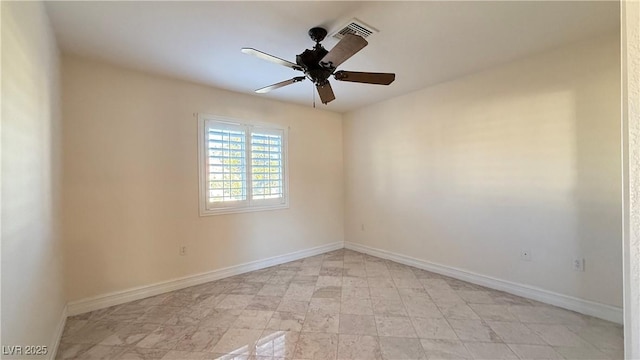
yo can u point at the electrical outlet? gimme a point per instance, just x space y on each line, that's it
525 255
578 264
183 250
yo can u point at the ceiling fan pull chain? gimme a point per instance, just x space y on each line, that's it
313 92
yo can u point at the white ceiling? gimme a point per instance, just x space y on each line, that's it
424 43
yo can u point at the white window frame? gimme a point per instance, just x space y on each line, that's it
248 205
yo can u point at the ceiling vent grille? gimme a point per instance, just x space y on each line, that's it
354 26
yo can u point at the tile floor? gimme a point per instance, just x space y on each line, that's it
339 305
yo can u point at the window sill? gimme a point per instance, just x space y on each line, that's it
239 210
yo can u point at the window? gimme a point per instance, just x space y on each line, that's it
242 166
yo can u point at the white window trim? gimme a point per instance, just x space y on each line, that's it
248 205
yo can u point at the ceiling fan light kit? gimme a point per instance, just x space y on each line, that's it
318 65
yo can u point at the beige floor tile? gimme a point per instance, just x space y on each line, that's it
457 311
444 296
532 352
321 322
377 272
557 335
220 318
355 293
273 290
473 330
395 326
293 306
357 325
103 352
67 351
98 314
128 312
327 292
356 307
324 306
285 321
277 344
129 335
136 353
430 328
444 349
413 292
317 346
546 315
490 351
73 325
493 312
403 273
94 332
389 307
384 293
201 340
398 348
158 314
329 281
603 337
358 347
355 281
586 352
247 289
357 273
264 303
475 297
189 316
435 284
180 298
418 306
166 337
236 302
515 333
381 282
238 341
613 353
326 271
309 271
407 283
304 280
252 319
298 292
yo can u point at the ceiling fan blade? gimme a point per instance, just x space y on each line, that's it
266 89
348 46
273 59
326 93
365 77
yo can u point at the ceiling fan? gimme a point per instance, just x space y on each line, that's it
318 65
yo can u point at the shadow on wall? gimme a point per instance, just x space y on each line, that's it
524 157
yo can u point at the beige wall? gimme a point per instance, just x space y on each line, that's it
131 180
525 156
32 282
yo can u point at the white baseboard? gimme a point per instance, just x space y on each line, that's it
53 348
602 311
141 292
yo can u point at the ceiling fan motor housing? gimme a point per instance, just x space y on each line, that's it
309 60
317 34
